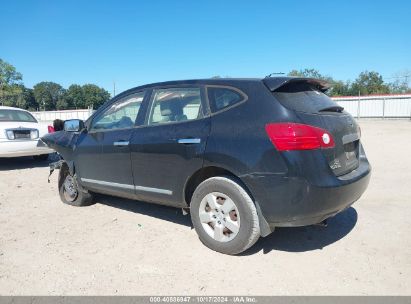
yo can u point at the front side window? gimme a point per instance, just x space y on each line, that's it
175 105
221 98
120 115
16 115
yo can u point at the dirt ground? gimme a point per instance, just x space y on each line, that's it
125 247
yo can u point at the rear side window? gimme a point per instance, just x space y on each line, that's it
221 98
175 105
305 97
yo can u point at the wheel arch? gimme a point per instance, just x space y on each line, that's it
210 171
64 170
67 167
201 175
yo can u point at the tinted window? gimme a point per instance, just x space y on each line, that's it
304 97
120 115
16 115
221 98
175 105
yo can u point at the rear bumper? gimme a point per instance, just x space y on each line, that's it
321 203
17 148
293 201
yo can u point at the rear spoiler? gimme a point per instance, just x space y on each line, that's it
274 83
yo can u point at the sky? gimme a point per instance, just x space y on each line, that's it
138 42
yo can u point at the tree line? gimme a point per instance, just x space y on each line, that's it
46 95
49 96
367 83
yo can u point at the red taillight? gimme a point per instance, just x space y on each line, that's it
293 136
50 129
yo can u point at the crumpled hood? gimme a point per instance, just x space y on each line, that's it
61 141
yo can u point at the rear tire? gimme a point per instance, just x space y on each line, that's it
70 192
229 232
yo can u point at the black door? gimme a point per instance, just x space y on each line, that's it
104 153
169 148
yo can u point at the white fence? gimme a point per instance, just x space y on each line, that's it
63 115
385 106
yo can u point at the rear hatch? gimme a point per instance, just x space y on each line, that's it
306 98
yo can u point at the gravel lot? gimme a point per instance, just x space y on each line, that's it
132 248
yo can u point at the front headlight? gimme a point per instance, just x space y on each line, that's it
34 134
10 134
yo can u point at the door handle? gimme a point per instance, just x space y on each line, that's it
189 141
121 143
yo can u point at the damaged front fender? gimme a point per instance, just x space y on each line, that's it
53 166
65 144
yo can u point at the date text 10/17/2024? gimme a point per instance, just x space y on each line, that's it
203 299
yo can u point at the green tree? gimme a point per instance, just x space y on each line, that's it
49 95
81 97
94 96
369 83
310 73
338 87
365 84
399 86
74 97
29 100
20 100
10 84
401 82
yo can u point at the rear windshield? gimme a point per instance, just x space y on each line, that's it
16 115
305 97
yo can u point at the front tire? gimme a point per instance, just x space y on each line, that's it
70 192
224 215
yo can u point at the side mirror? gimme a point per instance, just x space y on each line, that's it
73 125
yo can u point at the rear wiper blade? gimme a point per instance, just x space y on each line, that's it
332 109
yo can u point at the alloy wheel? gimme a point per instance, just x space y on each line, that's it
219 217
70 189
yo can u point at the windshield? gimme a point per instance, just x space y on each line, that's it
16 115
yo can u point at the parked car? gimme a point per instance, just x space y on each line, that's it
20 134
244 155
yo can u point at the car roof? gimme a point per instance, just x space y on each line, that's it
204 81
271 82
12 108
208 81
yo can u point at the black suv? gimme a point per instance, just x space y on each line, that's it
244 155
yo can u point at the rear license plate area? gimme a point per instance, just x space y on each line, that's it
22 134
351 151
